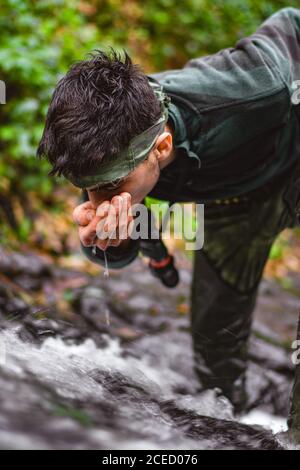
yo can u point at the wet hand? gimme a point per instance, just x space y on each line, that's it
110 224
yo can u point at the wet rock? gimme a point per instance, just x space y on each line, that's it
13 264
118 373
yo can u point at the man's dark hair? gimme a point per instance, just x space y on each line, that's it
96 109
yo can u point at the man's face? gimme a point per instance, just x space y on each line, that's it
138 183
142 180
133 189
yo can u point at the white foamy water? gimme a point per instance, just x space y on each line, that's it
70 373
261 418
66 367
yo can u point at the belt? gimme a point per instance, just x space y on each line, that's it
258 193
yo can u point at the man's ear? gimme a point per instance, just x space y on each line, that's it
164 146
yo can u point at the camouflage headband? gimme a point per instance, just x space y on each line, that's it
137 151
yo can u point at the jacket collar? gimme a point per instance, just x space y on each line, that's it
180 137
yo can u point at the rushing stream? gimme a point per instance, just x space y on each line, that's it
86 382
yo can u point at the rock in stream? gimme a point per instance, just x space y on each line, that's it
116 371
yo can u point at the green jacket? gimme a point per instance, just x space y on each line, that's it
235 124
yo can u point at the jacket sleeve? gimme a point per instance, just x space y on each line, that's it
258 69
279 38
116 256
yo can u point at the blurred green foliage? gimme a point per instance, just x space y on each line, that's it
38 42
40 39
166 33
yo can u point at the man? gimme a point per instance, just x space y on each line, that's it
223 131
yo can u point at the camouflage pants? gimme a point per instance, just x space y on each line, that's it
238 237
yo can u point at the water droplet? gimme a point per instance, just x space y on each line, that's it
107 316
106 271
